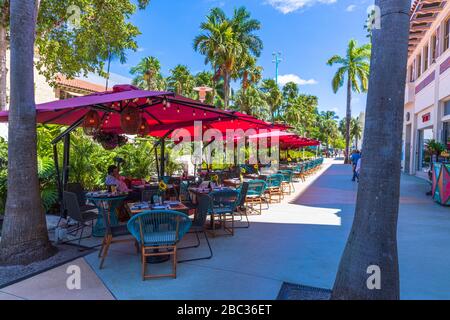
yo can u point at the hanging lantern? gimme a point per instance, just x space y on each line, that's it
144 128
130 120
91 123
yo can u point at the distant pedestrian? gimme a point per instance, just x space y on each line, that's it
354 159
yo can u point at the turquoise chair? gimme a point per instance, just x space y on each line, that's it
256 194
274 186
159 230
288 176
224 204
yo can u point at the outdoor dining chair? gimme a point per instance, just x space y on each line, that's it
256 194
199 226
113 234
82 218
77 188
224 206
274 186
241 208
287 182
158 232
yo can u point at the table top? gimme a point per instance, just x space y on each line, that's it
207 191
106 196
139 207
153 184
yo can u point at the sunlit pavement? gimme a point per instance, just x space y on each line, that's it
298 241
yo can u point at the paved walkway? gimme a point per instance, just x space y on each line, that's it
299 241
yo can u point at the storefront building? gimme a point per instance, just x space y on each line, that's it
427 96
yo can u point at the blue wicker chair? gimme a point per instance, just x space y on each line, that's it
241 208
159 230
198 226
288 176
274 186
255 194
224 205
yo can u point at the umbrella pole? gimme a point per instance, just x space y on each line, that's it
66 159
163 156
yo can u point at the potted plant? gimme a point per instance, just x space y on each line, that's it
434 149
110 141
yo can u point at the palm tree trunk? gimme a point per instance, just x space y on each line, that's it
373 238
348 119
226 89
3 50
24 234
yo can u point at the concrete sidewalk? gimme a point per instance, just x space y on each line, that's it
298 241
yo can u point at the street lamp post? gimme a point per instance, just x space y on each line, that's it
276 59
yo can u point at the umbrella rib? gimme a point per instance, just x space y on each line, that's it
153 117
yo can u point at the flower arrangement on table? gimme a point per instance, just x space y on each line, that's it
162 186
215 179
110 141
289 160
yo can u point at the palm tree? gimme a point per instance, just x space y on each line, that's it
24 234
210 40
181 81
356 130
355 67
148 75
328 126
301 113
372 244
253 102
225 42
249 72
290 91
274 97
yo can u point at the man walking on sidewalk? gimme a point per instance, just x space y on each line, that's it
354 159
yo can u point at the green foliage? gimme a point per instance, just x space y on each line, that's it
355 66
228 44
47 181
274 97
70 44
181 81
147 75
435 147
253 102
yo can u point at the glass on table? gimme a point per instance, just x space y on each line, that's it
114 189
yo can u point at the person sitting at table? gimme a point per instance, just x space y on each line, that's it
115 179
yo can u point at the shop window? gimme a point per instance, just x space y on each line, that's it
447 108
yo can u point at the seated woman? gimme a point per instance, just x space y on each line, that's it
114 179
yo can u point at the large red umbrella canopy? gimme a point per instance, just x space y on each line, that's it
164 112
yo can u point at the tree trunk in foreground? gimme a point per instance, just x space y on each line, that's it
373 238
24 235
3 49
348 119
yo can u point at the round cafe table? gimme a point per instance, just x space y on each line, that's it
106 204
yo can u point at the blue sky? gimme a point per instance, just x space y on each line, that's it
306 32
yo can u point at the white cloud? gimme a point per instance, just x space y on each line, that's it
288 6
351 8
296 79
